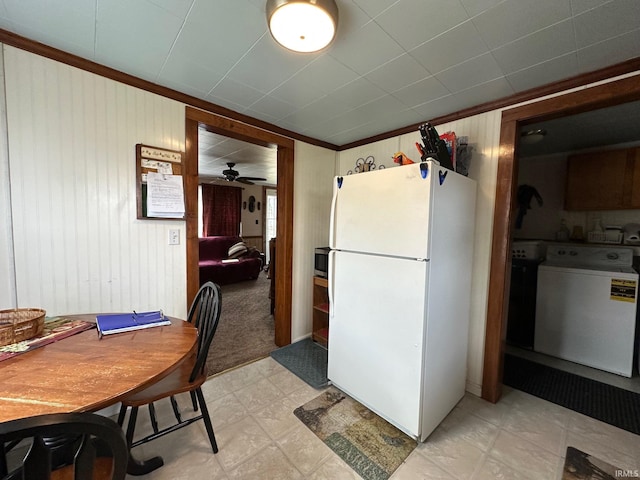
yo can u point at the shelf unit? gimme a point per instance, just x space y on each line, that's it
320 326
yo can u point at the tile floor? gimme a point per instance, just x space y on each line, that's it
521 437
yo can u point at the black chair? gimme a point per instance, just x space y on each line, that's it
188 377
82 446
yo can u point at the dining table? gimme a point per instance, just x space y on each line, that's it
88 372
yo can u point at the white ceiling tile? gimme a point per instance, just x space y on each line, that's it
189 73
615 50
193 46
179 8
366 49
356 93
267 65
475 7
374 8
538 47
317 112
398 73
423 91
439 106
201 44
472 72
485 92
513 19
237 92
325 73
607 21
220 33
412 22
74 24
297 93
451 48
350 18
547 72
273 107
118 40
580 6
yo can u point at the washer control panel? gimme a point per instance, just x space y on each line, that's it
583 256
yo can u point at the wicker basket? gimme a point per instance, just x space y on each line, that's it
20 324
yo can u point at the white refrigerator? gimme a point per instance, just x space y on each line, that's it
399 290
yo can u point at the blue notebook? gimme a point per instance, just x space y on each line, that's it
126 322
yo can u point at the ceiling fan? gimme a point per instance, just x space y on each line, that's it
232 175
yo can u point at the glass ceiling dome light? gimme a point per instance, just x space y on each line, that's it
302 25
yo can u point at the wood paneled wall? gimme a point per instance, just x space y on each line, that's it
78 245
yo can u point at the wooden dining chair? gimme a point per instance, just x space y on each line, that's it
80 446
188 377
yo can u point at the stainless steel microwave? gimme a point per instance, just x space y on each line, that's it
321 262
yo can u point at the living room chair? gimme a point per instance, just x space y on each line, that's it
80 446
188 377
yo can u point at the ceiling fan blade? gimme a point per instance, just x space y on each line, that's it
244 180
255 179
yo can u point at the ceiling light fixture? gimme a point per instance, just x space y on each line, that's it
532 136
302 25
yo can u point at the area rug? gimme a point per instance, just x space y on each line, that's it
246 329
306 359
582 466
603 402
371 446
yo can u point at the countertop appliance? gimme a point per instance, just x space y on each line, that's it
399 291
586 306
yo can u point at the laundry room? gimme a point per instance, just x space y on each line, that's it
573 302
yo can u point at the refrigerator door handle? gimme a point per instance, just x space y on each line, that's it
334 201
330 275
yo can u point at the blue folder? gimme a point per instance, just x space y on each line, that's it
126 322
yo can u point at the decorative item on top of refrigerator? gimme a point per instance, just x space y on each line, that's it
399 281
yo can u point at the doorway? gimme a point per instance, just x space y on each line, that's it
196 119
605 95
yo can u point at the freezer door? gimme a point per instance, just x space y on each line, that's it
384 211
376 332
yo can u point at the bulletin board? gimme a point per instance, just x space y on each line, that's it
156 160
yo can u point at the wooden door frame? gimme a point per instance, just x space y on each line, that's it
284 230
592 98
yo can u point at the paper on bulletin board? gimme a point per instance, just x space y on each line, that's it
165 195
161 167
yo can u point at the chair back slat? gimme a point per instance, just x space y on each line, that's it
84 432
204 314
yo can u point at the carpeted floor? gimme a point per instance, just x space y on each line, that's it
603 402
246 330
368 444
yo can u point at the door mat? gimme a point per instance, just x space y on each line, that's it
582 466
371 446
306 359
609 404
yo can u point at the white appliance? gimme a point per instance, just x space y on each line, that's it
586 306
399 286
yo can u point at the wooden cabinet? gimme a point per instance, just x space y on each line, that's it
320 327
608 180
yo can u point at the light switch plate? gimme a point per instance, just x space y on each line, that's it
174 236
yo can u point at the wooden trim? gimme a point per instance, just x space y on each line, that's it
228 127
41 49
32 46
612 71
605 95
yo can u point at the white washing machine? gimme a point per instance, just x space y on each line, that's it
586 306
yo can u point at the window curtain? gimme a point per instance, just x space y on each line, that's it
220 210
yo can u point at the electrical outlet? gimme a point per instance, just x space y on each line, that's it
174 236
